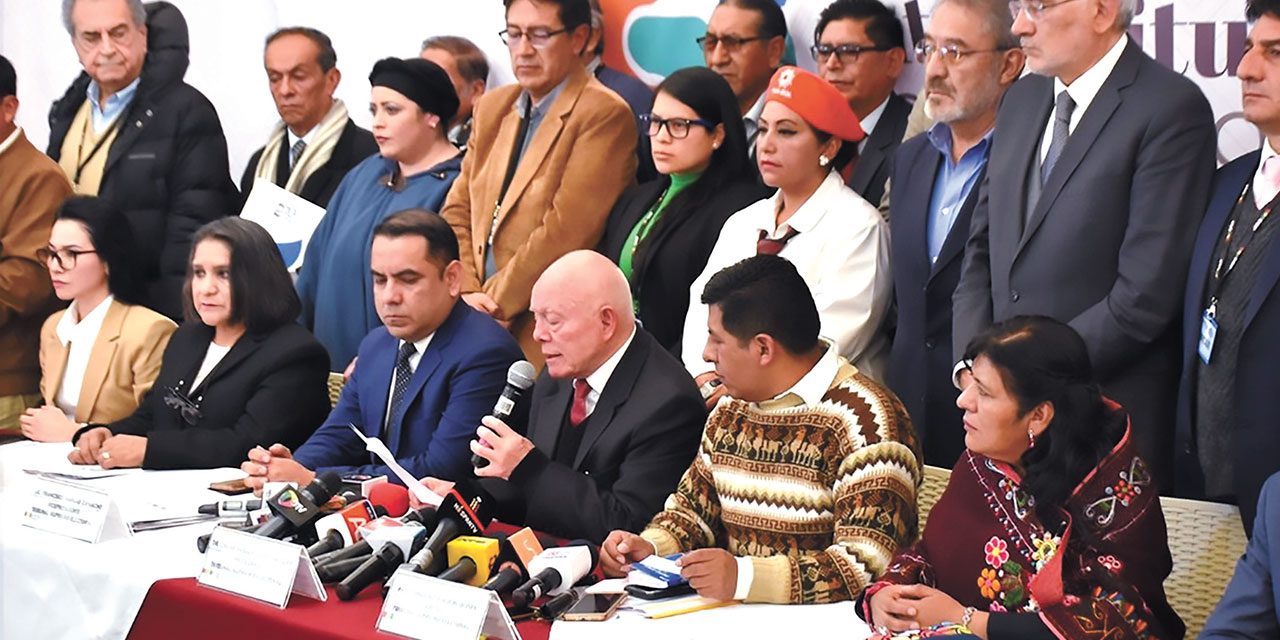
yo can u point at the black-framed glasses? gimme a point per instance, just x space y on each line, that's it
709 41
848 53
677 127
538 38
1034 8
949 53
185 406
66 258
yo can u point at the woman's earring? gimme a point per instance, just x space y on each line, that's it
1031 435
823 161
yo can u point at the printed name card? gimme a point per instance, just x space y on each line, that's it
426 608
72 510
258 568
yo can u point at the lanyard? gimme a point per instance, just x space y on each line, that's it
1223 267
81 164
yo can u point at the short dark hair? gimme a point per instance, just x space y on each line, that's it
467 56
573 13
766 294
262 294
8 78
847 149
883 27
442 243
328 58
773 24
1255 9
113 241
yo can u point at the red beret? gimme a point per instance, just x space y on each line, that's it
819 103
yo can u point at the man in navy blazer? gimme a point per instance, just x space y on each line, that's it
1227 402
1248 609
938 174
637 94
421 382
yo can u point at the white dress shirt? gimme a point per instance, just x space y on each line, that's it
212 357
78 337
597 379
869 123
1083 91
1259 182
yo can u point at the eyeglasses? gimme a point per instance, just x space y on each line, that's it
538 38
178 401
677 127
66 258
1033 8
848 52
950 54
731 43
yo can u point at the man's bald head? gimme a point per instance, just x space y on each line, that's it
582 313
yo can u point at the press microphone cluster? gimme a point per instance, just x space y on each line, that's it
465 511
555 570
519 378
292 509
512 563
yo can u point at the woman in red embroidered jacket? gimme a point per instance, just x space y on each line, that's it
1050 526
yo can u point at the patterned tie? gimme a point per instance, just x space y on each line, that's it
295 151
1061 131
402 375
1267 185
766 246
578 410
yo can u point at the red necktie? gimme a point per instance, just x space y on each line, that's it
847 173
766 246
578 411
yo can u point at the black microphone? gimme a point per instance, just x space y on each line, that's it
457 516
337 570
295 508
202 542
555 570
519 378
342 528
461 572
399 543
511 565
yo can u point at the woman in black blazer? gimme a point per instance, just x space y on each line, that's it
240 372
660 233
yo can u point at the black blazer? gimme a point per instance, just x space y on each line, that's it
876 160
675 253
354 145
638 442
269 388
920 363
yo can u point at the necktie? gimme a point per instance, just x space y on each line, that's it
402 375
295 151
1268 184
578 410
766 246
1061 130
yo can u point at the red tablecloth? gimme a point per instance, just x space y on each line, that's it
180 608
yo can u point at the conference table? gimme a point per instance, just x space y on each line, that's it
142 586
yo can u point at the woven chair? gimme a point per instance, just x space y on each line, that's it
935 480
1206 539
335 388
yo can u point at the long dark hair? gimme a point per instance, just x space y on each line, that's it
1043 360
113 241
262 293
709 95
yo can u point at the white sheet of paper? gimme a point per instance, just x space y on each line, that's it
377 448
289 219
51 458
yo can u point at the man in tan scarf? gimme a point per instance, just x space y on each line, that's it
315 143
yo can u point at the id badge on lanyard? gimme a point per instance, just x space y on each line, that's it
1208 333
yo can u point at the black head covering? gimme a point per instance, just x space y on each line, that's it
421 81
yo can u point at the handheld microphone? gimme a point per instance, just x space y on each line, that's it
555 570
519 378
337 570
470 559
394 545
294 508
457 516
518 550
230 508
342 528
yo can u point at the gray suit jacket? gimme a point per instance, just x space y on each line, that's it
1107 245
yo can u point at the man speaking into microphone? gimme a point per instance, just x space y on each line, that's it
614 418
421 382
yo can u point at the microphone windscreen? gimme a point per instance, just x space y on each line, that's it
521 374
481 550
392 497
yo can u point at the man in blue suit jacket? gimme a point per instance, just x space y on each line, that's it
422 381
1227 402
1248 608
637 94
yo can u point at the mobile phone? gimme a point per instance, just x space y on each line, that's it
595 607
230 487
653 593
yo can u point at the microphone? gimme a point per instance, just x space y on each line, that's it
202 542
394 545
336 570
230 508
518 550
294 508
425 516
393 497
470 559
519 378
555 570
342 528
457 516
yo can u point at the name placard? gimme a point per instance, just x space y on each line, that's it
426 608
262 569
68 509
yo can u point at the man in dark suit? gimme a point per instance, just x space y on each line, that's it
316 143
468 69
970 59
1227 402
745 43
421 382
1248 609
637 94
860 49
614 419
1098 175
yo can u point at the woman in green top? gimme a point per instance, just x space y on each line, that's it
661 232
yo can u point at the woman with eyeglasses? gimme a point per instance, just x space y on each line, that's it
661 232
240 372
100 355
836 239
412 101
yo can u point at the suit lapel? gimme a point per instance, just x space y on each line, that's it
953 245
1025 159
58 364
1265 282
427 365
100 358
377 385
242 349
914 211
615 393
544 428
649 194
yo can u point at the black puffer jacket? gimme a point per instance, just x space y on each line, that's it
167 169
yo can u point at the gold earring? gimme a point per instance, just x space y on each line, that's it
823 161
